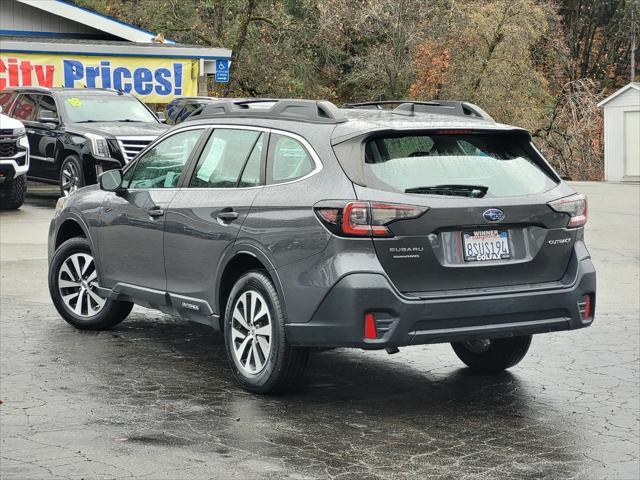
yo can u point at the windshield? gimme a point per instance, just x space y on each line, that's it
105 108
503 164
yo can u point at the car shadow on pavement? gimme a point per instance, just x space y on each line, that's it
163 379
183 352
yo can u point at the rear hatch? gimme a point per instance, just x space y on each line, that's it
488 222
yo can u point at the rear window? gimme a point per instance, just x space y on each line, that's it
504 163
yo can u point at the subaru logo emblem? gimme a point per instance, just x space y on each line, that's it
493 215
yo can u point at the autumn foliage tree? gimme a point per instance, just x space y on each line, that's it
539 64
432 63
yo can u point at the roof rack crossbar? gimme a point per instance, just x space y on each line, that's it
411 107
313 111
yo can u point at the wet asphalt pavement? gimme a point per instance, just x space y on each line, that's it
154 398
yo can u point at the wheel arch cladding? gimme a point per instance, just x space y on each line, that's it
240 264
70 228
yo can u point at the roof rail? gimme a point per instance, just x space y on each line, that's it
34 89
442 107
312 111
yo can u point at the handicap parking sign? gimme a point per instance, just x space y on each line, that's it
222 71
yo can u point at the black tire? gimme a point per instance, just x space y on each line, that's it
112 313
500 354
285 364
71 164
14 192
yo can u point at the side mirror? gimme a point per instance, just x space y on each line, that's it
111 181
47 116
162 117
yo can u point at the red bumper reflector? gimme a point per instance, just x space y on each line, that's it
370 326
587 308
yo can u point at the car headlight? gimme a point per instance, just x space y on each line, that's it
99 145
23 142
19 131
59 205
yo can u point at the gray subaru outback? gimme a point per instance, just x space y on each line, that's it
292 224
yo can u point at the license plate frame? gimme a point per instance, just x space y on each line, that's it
486 245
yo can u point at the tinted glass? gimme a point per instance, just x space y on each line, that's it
47 103
225 156
6 99
26 107
251 174
105 108
161 166
289 159
503 162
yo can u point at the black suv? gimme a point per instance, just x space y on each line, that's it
294 224
75 134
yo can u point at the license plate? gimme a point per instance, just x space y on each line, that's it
485 245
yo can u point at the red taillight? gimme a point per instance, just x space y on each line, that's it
575 206
364 219
355 219
370 327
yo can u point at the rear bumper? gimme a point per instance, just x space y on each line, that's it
401 321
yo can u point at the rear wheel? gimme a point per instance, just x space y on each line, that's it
14 192
71 176
73 282
492 355
261 359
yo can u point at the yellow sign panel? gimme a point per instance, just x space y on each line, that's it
153 80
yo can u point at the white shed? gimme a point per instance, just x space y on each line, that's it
622 134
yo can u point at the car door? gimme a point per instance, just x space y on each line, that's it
42 135
206 215
132 222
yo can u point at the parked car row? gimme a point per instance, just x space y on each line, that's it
76 134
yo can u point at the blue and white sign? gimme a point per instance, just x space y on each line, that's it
222 71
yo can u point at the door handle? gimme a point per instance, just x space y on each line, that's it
155 212
227 214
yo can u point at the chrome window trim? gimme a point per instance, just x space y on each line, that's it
307 146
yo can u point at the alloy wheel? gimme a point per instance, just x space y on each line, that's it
251 332
70 178
77 284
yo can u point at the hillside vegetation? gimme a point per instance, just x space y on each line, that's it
539 64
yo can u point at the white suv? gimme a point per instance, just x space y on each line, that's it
14 162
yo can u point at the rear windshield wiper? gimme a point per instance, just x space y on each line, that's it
128 120
475 191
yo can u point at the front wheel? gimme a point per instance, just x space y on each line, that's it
492 355
261 359
73 282
13 196
71 176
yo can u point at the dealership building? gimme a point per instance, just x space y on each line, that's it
54 43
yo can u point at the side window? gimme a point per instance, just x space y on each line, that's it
288 159
161 166
6 99
26 107
225 156
47 103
